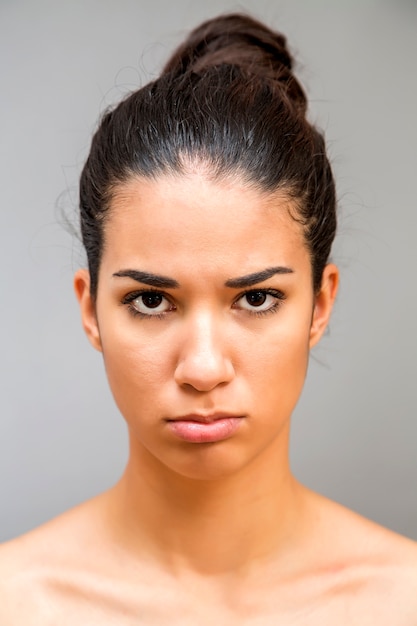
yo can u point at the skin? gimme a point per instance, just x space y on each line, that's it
197 532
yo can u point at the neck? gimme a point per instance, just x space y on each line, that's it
209 526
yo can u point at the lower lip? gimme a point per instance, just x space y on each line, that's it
199 432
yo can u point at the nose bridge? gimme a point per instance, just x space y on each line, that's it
203 360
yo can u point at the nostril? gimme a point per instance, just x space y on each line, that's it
204 373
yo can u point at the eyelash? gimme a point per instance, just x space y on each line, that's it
131 297
275 293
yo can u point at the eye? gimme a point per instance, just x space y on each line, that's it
148 303
259 301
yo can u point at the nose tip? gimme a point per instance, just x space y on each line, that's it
203 363
204 374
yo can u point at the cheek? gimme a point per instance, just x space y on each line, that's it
279 365
136 370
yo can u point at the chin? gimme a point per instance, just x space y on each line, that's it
209 462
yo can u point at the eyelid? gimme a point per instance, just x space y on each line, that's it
259 311
129 298
128 301
132 295
277 293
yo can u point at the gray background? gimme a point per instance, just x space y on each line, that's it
62 62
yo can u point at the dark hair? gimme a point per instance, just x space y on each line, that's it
226 98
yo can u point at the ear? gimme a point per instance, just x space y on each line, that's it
87 307
323 304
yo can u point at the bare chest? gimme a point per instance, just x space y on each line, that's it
153 604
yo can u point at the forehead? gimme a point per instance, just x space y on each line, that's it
192 220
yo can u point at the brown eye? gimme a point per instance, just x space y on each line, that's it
151 303
258 301
256 298
152 300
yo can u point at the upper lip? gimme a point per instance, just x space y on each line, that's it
203 418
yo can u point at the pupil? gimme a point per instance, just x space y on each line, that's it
256 298
152 300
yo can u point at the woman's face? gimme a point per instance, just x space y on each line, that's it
205 315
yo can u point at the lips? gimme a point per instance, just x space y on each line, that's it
200 428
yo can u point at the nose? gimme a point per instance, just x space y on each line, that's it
203 360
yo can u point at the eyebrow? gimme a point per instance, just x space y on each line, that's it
256 277
157 280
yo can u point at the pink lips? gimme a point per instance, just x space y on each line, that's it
205 428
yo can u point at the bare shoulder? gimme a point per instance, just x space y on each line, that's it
390 572
397 557
18 579
376 567
32 566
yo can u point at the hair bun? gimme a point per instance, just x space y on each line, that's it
242 41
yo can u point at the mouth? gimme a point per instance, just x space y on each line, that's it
200 428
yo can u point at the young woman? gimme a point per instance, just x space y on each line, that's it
208 213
